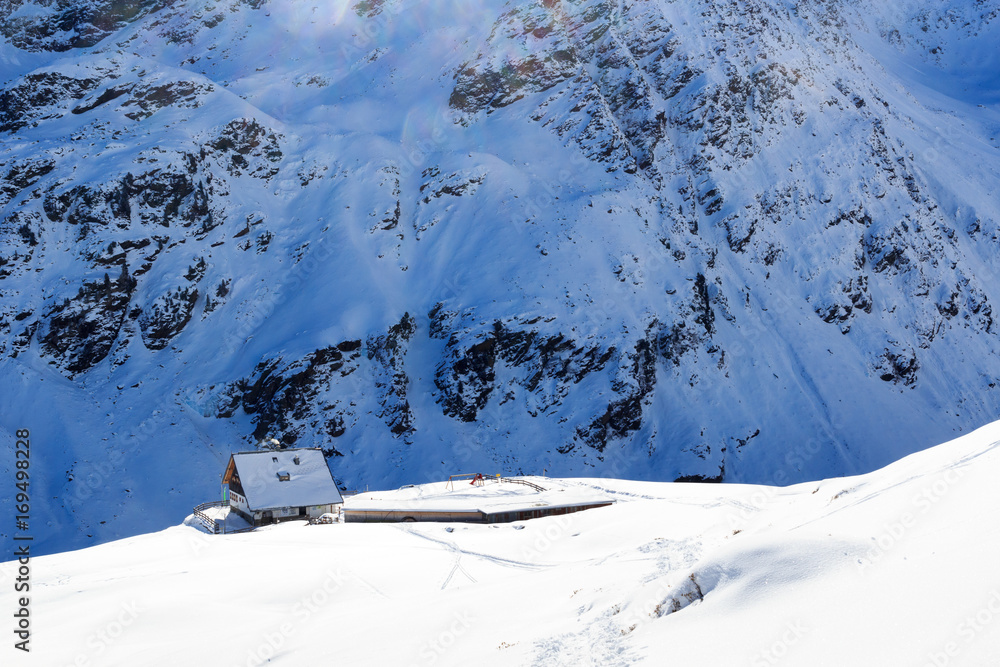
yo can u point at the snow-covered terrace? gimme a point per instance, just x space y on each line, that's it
225 520
490 498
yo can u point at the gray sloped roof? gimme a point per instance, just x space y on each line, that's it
309 480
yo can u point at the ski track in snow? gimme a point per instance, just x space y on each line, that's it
451 546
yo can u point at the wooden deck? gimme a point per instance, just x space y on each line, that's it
218 520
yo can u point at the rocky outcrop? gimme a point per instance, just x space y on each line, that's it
466 378
290 400
388 354
167 316
41 96
634 383
246 146
542 366
78 333
61 25
898 366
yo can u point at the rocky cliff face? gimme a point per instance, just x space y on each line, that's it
699 239
61 25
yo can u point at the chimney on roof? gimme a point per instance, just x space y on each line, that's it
296 459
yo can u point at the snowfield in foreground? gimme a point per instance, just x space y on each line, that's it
897 567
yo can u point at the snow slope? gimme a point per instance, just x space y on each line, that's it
896 567
648 239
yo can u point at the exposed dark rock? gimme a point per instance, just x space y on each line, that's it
496 80
391 381
440 321
700 479
158 197
39 96
853 297
624 416
548 357
898 367
387 210
79 333
23 175
369 8
704 315
109 94
284 398
167 316
145 100
454 184
65 25
249 148
216 298
465 379
21 231
739 231
437 186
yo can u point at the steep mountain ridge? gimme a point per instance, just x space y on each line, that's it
658 240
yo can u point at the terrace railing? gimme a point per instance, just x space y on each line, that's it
518 480
207 521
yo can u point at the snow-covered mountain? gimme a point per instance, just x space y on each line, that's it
658 240
897 567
